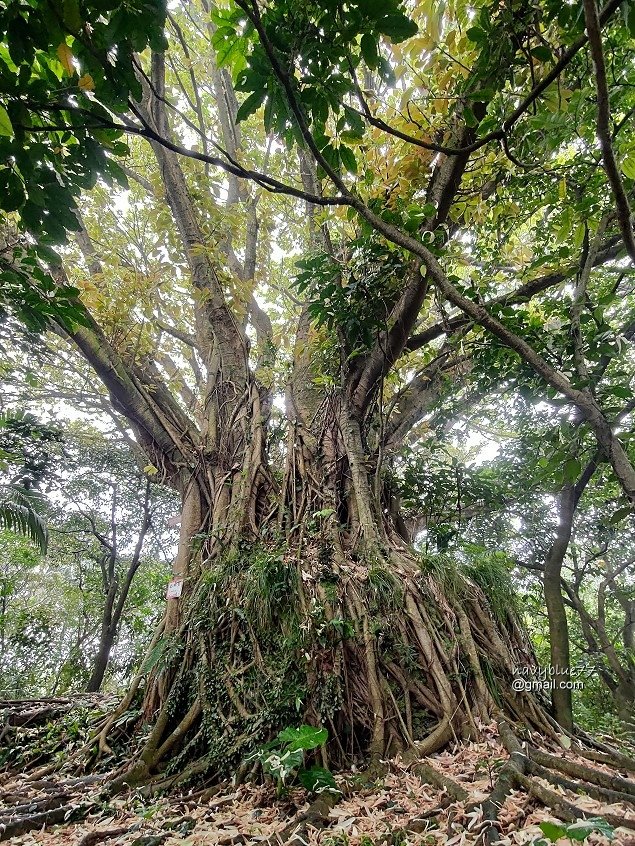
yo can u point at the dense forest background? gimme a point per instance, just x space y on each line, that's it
321 313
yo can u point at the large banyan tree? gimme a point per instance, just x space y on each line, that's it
338 213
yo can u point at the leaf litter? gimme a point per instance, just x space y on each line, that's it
397 809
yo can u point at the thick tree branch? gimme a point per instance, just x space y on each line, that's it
593 26
216 320
419 396
610 250
274 186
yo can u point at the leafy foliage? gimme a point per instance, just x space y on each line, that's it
576 832
330 43
354 295
27 448
283 758
52 608
66 69
18 513
28 292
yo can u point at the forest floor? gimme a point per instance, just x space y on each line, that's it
397 809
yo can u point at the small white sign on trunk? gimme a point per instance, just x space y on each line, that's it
175 588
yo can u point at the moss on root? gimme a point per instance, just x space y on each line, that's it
382 652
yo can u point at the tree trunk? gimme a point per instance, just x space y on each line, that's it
556 612
101 661
106 638
301 600
116 595
313 609
624 697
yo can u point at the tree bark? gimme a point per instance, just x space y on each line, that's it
322 615
556 611
100 663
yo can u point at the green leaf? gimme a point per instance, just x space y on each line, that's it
332 156
6 127
581 829
386 71
304 737
355 121
628 165
397 27
153 657
542 53
72 16
469 117
578 235
228 49
368 47
620 391
324 512
18 513
11 190
317 780
251 105
347 157
483 95
572 469
566 225
620 514
476 35
553 831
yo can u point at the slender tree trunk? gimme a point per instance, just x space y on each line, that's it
101 661
624 696
106 638
556 611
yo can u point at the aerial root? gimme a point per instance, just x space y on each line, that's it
526 768
104 728
609 756
429 775
602 794
562 808
436 740
514 775
536 773
166 784
58 804
316 816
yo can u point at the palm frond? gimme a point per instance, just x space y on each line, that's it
18 514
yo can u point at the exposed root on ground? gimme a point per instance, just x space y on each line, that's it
485 792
